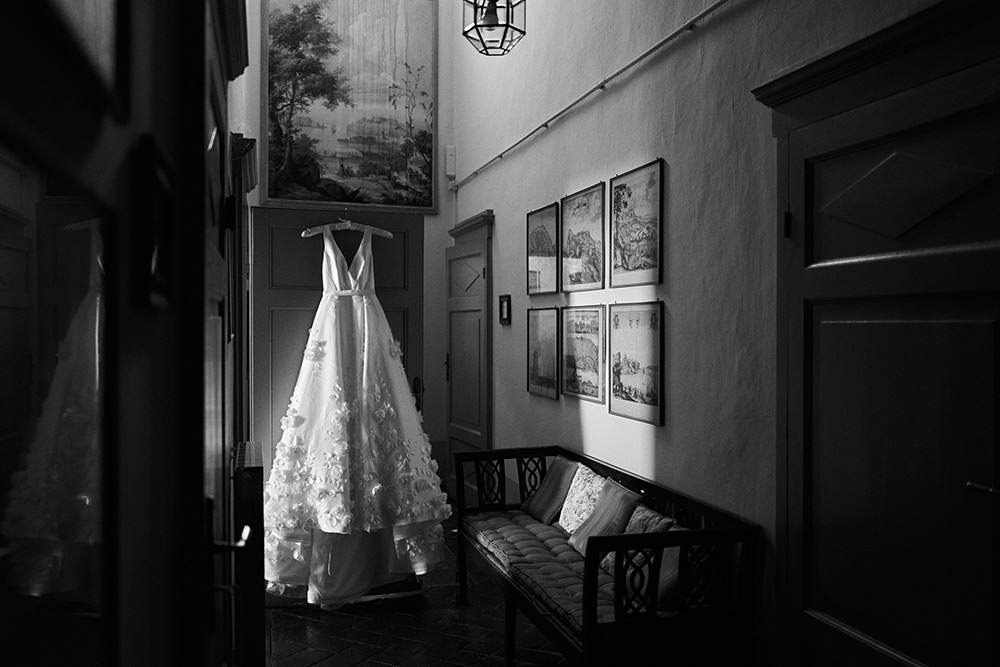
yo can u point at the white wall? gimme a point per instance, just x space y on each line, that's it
691 105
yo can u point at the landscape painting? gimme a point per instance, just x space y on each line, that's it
582 240
543 238
582 356
543 324
636 222
350 93
635 343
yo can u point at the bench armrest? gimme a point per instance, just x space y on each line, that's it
714 567
490 479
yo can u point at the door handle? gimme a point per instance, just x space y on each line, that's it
447 366
982 488
232 546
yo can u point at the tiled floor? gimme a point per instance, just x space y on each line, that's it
428 629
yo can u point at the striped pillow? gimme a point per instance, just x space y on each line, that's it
614 507
545 502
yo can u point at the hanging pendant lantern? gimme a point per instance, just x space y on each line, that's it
493 27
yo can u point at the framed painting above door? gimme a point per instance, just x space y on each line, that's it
352 121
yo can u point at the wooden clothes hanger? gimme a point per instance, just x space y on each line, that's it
345 224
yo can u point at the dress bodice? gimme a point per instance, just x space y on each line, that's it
338 275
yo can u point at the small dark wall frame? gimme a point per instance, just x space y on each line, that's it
637 226
635 352
542 262
504 309
543 352
581 240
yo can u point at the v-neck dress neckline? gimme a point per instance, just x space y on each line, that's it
344 276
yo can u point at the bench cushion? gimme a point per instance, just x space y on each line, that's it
514 536
557 588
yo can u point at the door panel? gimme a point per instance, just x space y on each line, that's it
469 355
902 415
466 359
889 350
898 337
924 190
286 283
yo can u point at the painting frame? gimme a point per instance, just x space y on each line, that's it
638 346
542 355
542 274
583 327
580 268
382 154
636 214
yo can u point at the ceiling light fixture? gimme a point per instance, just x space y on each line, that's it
493 27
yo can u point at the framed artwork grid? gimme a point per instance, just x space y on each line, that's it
637 226
635 353
543 352
581 256
582 356
542 264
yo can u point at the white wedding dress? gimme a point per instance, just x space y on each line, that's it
354 500
52 520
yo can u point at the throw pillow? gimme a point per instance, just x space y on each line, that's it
614 507
545 502
581 498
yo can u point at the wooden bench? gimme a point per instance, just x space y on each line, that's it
601 612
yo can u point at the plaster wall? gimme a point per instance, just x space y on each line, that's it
691 105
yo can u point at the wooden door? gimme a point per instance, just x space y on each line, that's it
286 282
890 303
469 357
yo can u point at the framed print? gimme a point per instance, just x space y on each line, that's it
582 240
349 92
635 347
582 358
543 341
543 248
504 309
636 226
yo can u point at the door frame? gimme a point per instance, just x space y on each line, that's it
936 48
473 236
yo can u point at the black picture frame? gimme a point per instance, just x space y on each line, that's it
636 226
583 350
503 309
542 250
635 361
581 240
543 352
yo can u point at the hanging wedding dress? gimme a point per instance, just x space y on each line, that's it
353 500
52 520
